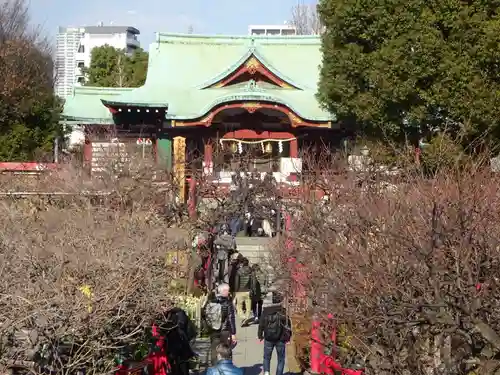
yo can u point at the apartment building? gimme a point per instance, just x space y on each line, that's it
284 29
74 46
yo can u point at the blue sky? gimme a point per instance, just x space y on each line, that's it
149 16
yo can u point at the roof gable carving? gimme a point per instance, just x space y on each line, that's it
251 67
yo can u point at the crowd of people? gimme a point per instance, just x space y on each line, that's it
242 298
236 292
220 315
238 297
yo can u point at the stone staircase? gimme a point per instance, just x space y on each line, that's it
258 250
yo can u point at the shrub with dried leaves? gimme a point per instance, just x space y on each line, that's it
81 279
408 265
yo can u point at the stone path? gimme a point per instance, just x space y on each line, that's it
248 354
249 351
202 347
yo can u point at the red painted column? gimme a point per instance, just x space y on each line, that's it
317 349
294 153
192 198
294 148
418 152
208 160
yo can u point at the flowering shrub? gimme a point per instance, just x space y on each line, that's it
191 305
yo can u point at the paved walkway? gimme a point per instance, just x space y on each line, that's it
248 354
249 351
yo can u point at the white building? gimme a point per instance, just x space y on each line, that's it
74 47
284 29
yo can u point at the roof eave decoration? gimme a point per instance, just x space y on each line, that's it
252 63
115 106
251 106
253 94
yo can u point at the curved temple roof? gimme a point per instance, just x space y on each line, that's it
181 67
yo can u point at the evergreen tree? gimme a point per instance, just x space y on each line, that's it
399 68
111 67
29 109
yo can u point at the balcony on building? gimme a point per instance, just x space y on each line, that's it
132 40
80 66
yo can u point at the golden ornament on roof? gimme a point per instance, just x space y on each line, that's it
269 148
234 147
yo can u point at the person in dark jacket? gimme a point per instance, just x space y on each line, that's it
227 332
178 331
258 291
242 289
275 328
236 260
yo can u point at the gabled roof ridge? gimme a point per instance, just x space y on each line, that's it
252 52
166 37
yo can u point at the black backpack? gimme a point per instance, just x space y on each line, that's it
274 327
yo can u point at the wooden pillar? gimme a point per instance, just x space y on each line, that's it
294 148
180 166
294 153
208 165
192 198
418 152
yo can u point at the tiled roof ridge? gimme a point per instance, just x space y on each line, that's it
162 37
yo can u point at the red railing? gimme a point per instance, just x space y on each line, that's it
29 167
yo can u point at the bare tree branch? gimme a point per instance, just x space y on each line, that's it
306 19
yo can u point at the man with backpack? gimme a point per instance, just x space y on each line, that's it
220 319
242 289
275 329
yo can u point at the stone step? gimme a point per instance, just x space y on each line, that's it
257 250
257 241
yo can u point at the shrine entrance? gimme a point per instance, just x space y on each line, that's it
256 140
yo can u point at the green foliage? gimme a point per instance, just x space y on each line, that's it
398 69
29 109
111 67
442 152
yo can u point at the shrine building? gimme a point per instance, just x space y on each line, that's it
253 95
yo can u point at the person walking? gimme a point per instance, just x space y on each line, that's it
178 331
224 248
224 365
242 289
236 260
258 290
220 319
275 329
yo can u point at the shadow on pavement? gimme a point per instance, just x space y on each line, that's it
252 370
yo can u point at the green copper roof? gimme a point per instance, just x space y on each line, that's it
301 102
85 106
180 66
